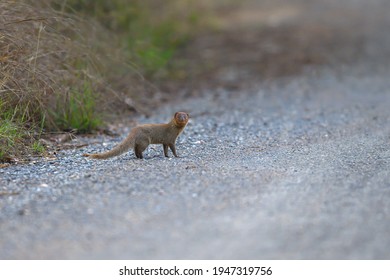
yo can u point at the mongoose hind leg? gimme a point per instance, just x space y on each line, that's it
138 150
165 150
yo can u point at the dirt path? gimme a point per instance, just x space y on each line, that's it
287 154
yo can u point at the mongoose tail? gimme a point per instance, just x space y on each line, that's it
119 149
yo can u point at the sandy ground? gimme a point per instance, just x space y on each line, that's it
287 155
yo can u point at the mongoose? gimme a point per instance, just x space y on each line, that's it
141 136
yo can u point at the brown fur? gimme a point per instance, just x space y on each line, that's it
141 136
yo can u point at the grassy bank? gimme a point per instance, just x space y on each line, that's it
150 30
64 65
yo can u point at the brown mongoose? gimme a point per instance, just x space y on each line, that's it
141 136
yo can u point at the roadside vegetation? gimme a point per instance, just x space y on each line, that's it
66 65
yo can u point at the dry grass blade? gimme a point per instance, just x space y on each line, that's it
51 61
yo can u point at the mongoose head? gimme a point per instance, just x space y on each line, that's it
181 119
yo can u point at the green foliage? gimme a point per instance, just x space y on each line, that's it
17 134
12 131
151 30
154 46
37 147
78 111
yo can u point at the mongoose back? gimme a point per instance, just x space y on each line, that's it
141 136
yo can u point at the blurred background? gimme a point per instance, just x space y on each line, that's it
73 65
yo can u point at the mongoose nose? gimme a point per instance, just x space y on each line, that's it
181 117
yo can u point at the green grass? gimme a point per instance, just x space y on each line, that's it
78 111
155 46
12 134
151 30
37 148
152 41
17 141
18 136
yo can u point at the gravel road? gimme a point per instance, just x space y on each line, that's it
295 167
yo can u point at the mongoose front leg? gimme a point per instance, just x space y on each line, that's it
173 149
165 150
